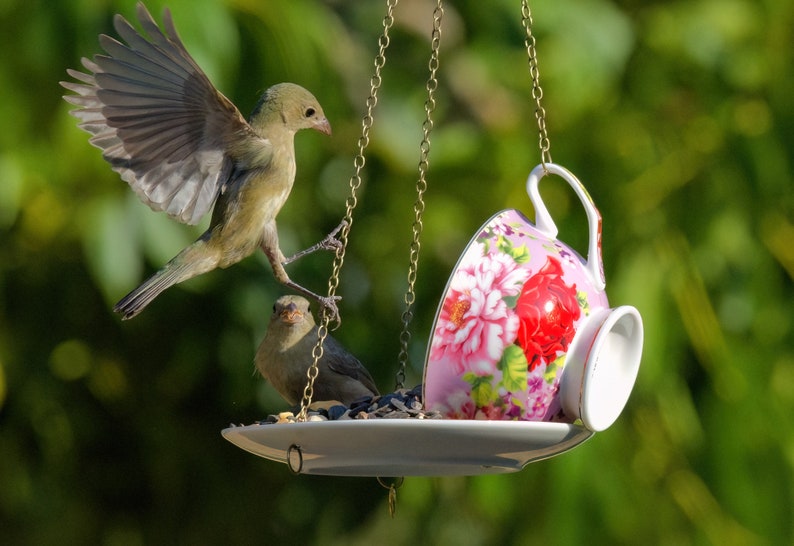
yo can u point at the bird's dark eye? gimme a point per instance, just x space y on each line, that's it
310 112
274 307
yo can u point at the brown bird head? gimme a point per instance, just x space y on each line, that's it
292 310
291 314
293 105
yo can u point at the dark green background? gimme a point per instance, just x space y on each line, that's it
677 116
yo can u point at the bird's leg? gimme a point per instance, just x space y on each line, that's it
328 302
329 243
271 249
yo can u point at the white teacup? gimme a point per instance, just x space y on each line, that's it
524 330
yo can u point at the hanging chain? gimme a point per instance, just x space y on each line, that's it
350 204
537 92
392 487
421 187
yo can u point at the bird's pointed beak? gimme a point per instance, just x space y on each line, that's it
322 125
291 314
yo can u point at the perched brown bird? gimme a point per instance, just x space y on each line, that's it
183 146
286 354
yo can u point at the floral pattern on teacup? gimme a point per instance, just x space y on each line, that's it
503 330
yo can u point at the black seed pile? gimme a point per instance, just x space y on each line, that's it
400 404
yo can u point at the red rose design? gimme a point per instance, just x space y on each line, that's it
547 309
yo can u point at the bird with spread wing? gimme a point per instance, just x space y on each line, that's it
185 148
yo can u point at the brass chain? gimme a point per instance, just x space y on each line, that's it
421 187
350 204
537 92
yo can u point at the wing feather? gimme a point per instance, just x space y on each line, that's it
157 118
342 362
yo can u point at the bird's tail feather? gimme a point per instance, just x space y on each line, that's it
172 273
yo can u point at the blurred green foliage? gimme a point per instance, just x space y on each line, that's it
678 116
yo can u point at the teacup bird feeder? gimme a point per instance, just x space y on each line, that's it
526 360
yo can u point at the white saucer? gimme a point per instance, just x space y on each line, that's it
407 447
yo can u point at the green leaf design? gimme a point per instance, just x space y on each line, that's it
553 369
581 299
504 245
482 392
520 254
518 402
514 366
511 301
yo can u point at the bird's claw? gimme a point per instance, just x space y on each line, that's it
329 308
330 242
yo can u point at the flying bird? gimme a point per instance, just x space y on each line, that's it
185 148
286 354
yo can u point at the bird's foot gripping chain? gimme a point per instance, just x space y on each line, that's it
329 243
329 306
328 303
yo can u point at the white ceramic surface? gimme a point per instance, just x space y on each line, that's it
408 447
516 305
602 366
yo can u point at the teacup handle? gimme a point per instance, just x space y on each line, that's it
545 224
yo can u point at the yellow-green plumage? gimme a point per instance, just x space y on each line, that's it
185 148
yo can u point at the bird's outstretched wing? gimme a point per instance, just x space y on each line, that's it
157 118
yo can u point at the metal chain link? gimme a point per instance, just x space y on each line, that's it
421 187
392 487
537 92
350 204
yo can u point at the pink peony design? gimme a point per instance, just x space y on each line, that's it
475 324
